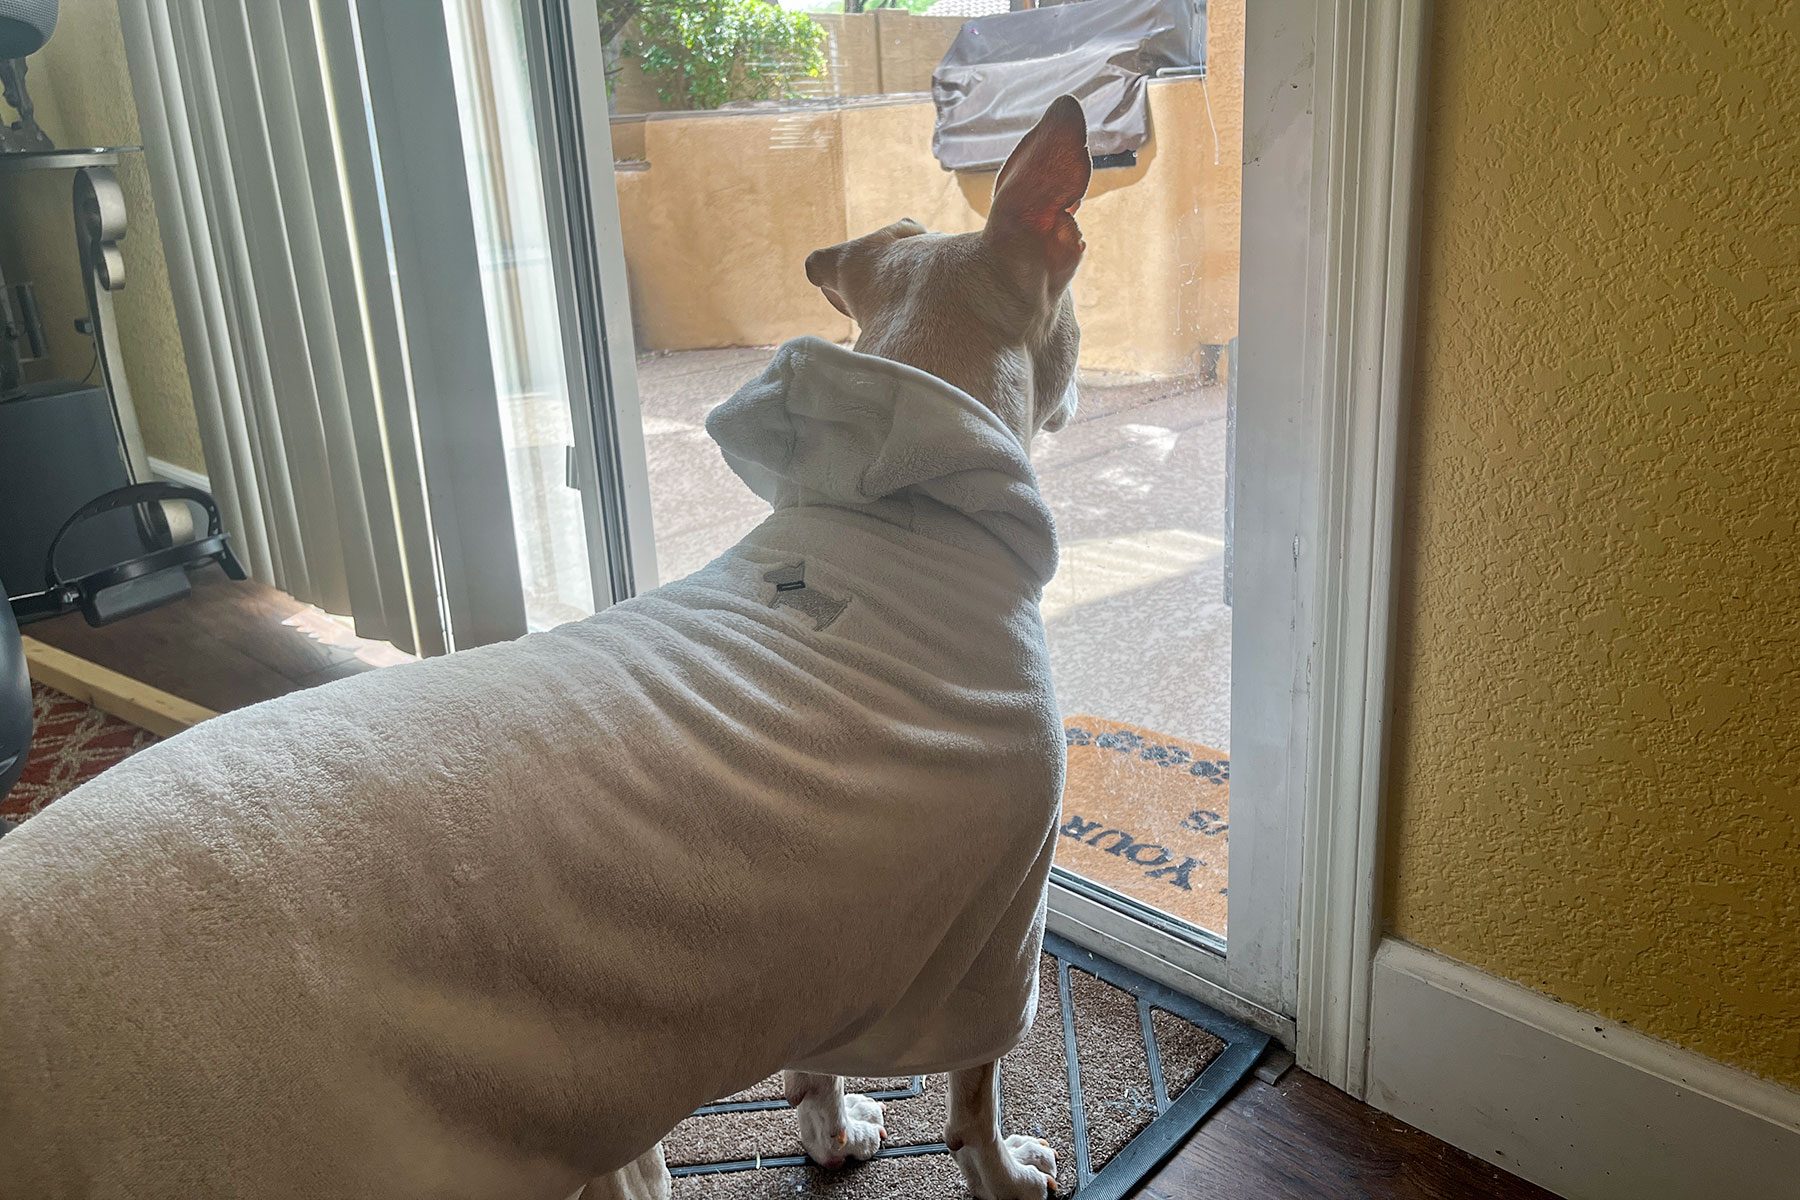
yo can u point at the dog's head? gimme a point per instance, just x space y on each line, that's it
989 312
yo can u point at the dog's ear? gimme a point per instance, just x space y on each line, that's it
1039 189
822 267
822 272
836 270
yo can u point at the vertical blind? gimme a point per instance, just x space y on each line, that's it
307 166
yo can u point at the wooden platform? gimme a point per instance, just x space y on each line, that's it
227 646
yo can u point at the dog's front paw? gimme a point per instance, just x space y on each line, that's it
833 1136
1021 1168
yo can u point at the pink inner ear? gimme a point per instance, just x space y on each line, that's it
837 301
1046 176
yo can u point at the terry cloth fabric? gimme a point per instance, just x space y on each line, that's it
491 924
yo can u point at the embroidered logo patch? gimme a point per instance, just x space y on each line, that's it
791 592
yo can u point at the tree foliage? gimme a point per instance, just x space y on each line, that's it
704 53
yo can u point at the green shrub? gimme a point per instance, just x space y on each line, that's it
704 53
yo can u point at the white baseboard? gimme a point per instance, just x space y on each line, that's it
171 473
1573 1102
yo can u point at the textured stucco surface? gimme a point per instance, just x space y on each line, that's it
82 88
1596 784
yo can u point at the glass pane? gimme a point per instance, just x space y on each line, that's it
819 127
519 292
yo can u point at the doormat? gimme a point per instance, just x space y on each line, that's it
71 742
1114 1074
1148 815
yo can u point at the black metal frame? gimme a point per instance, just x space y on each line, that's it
64 595
1175 1120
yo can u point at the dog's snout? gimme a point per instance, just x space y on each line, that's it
821 268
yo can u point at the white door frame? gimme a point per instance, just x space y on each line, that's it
1333 95
1369 116
1276 480
1332 115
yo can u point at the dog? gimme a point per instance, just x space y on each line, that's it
491 924
991 313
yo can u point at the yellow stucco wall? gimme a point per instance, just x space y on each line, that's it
83 93
1596 746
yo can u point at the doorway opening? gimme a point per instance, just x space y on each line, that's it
721 196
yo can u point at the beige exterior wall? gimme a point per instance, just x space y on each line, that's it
628 142
852 56
717 227
911 46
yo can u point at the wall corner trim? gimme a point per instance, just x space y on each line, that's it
1372 60
170 472
1582 1105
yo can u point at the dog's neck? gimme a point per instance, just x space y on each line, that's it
827 427
1002 381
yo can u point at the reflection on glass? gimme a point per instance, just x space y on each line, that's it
519 292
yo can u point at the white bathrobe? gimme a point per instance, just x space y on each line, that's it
489 925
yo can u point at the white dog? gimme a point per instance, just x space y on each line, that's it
488 926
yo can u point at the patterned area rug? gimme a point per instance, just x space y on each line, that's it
1113 1074
1148 815
71 742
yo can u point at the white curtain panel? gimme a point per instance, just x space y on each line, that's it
345 399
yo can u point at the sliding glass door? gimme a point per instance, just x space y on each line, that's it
679 197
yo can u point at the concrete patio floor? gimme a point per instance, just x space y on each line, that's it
1137 624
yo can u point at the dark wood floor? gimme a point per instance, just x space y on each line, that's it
1302 1139
226 646
232 644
